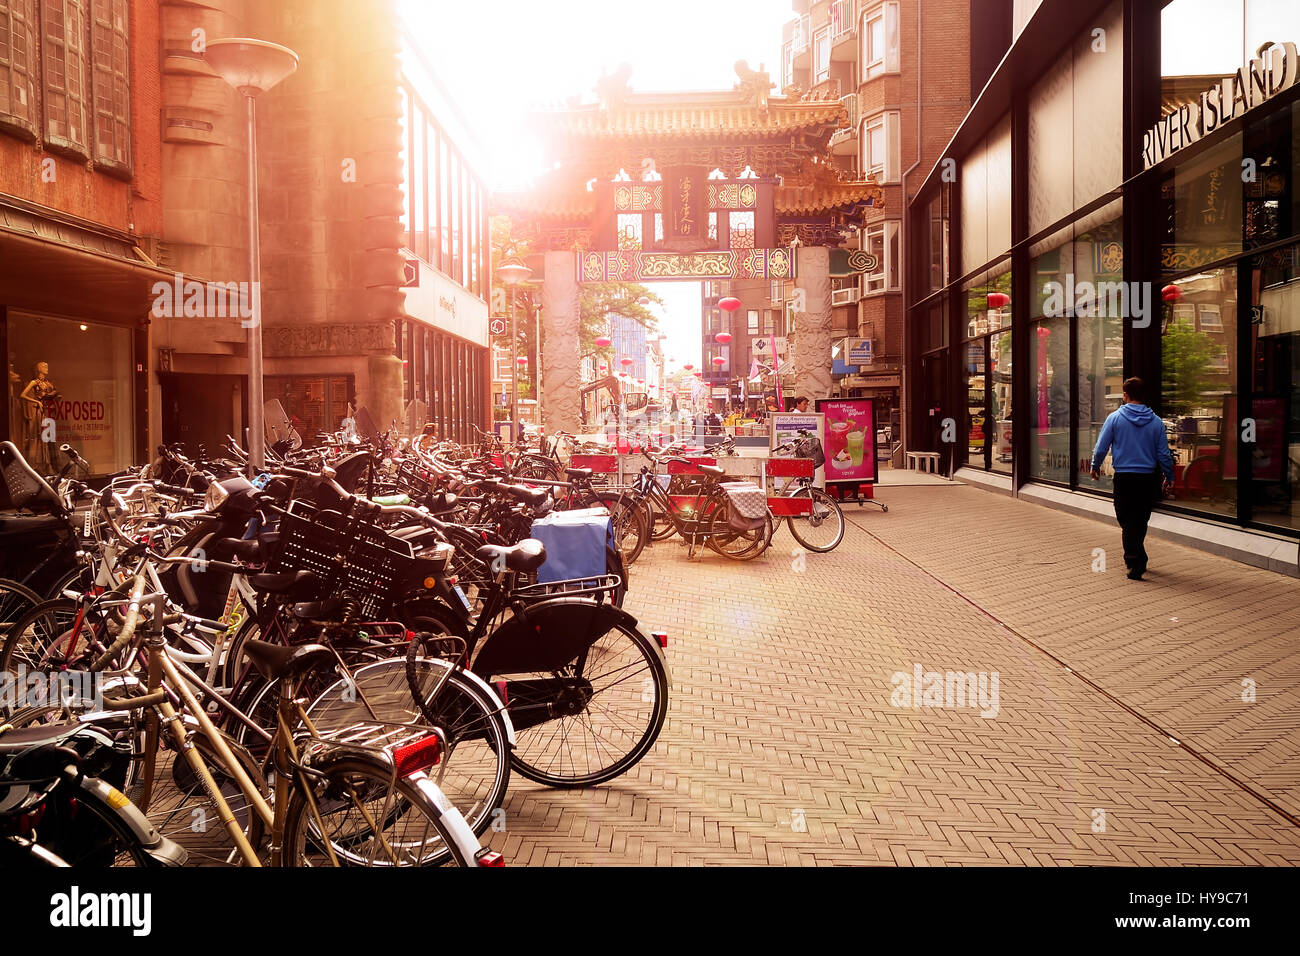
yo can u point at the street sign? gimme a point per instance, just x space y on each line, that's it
860 352
763 345
497 326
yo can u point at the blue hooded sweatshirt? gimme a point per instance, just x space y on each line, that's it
1135 437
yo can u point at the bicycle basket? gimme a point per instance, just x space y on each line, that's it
348 556
811 447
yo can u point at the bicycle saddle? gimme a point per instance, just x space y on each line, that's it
249 549
285 660
533 497
714 470
576 474
283 581
527 555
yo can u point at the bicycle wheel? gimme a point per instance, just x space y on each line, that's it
372 818
822 529
631 525
661 524
34 635
475 770
612 700
16 599
730 543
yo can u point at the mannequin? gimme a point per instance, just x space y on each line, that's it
38 391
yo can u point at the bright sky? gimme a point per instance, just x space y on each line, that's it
1213 36
498 58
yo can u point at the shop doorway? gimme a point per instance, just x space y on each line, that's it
199 411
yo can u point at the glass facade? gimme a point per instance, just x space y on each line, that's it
1052 266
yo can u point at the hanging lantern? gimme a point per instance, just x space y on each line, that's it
1171 293
699 375
644 300
722 338
729 303
719 360
999 300
625 361
603 341
688 366
604 369
522 360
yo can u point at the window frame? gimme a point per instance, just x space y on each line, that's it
887 278
888 61
56 142
10 122
888 122
110 88
821 42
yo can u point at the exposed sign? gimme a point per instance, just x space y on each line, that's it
497 327
410 272
1260 80
860 352
686 212
720 392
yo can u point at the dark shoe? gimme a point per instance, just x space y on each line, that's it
1135 575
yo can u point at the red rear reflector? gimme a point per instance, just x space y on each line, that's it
661 637
417 755
500 685
489 858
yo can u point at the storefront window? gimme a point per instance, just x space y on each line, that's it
988 303
1275 391
977 425
1199 375
1202 200
70 382
1000 401
1049 423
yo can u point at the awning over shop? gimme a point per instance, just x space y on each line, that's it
50 265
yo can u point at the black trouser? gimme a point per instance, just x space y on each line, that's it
1135 496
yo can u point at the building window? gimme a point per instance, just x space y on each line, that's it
822 55
752 325
880 147
882 242
111 83
63 24
880 47
17 88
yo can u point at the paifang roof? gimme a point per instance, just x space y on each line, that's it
659 119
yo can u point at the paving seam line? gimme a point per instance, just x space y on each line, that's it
1241 784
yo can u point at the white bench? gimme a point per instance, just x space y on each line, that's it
923 461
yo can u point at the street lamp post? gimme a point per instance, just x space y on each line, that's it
513 271
252 67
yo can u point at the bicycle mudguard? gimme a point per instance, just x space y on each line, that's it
550 635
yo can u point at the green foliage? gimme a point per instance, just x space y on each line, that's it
1186 356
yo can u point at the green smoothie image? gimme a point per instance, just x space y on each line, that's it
854 442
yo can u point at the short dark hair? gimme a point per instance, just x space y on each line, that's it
1135 389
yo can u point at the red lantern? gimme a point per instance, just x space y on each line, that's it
699 375
999 300
644 300
688 366
603 368
603 342
625 361
719 360
729 303
1171 293
722 338
522 360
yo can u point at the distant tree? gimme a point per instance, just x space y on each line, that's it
1186 356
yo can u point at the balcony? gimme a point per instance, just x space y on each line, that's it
845 291
801 43
844 30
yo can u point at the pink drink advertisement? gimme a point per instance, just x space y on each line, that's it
850 439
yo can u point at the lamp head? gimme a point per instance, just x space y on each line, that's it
250 66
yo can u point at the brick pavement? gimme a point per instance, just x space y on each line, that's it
782 746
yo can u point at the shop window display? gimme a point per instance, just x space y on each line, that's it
70 382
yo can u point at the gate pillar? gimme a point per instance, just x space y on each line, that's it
561 317
813 327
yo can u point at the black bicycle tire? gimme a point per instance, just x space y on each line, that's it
660 673
792 521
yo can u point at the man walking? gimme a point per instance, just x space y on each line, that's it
1135 437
